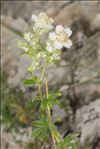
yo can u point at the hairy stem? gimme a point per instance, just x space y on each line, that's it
39 85
43 72
39 90
40 93
49 113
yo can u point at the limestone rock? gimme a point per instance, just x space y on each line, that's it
76 10
12 62
87 121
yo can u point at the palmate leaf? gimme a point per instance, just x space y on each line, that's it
54 132
54 95
48 102
32 81
40 133
36 103
40 124
68 142
40 129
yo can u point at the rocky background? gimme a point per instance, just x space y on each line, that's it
77 77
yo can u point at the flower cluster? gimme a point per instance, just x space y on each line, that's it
51 49
42 23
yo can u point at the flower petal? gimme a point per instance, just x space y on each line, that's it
52 36
42 14
58 45
34 18
68 31
49 47
68 44
59 28
27 36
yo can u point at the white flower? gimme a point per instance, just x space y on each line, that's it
52 35
68 31
32 43
58 45
60 37
49 47
63 36
68 44
60 28
34 18
28 36
43 21
25 49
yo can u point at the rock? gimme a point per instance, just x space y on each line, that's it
58 113
87 121
55 74
81 62
64 88
52 12
15 140
18 9
76 10
12 62
95 24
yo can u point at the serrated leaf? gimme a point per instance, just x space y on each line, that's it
40 133
34 80
40 129
48 102
36 102
69 141
40 124
36 132
55 133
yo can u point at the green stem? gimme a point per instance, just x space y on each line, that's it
49 113
47 109
43 72
39 90
42 75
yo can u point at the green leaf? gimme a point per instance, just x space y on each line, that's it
69 141
36 132
55 133
34 80
40 133
40 124
36 103
40 129
48 102
54 95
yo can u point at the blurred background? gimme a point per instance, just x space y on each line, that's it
77 77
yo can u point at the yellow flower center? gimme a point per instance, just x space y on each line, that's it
62 37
